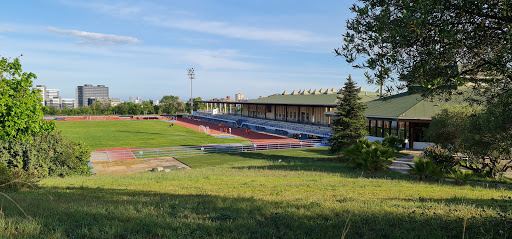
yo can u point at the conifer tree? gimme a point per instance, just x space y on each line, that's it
350 124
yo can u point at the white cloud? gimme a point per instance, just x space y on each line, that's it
217 60
239 32
91 38
184 20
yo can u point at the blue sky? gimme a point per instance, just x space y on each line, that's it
143 48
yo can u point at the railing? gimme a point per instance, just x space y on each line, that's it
126 154
321 131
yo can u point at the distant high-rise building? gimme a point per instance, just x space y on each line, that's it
131 99
87 94
138 100
49 97
52 98
240 96
68 102
42 88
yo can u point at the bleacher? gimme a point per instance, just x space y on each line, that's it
263 124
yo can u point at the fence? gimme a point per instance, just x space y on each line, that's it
125 154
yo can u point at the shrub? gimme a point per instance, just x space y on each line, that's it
369 156
425 169
393 142
441 156
461 177
43 156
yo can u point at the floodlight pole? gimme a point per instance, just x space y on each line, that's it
191 75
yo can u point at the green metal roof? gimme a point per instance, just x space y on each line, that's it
405 105
318 99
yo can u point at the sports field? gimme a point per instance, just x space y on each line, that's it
136 133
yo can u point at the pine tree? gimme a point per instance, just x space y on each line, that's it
350 124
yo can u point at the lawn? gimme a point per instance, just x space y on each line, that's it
141 134
301 193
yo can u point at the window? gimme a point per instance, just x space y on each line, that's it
373 123
379 128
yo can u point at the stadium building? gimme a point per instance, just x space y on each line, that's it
311 113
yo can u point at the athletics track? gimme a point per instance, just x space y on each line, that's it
239 132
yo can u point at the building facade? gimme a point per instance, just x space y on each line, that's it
87 94
67 102
52 98
406 115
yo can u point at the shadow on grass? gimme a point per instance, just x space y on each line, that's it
319 161
81 212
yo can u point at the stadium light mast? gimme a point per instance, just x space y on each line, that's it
191 75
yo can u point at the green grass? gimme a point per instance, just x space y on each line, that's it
142 134
253 195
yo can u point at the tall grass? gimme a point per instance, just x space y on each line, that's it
308 194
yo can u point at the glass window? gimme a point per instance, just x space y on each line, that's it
401 130
374 128
379 128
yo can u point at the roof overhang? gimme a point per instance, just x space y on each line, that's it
261 103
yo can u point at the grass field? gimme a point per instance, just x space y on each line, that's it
131 133
253 195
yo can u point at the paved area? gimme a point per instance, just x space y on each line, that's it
133 166
400 164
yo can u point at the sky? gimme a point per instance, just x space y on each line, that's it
144 48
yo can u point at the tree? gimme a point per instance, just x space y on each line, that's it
21 114
170 104
449 126
484 135
197 104
437 44
148 107
350 124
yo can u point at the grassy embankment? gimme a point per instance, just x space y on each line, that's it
141 134
253 195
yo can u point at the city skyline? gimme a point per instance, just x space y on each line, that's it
145 49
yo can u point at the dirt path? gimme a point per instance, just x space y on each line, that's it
400 164
133 166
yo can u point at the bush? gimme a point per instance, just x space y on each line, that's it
369 156
425 169
393 142
441 156
461 177
42 156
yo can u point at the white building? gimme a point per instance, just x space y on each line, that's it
68 102
240 96
42 88
52 98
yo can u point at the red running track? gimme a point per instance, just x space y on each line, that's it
215 129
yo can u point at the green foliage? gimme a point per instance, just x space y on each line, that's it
480 133
197 104
349 125
393 142
441 156
435 44
449 126
369 156
43 156
425 169
170 104
20 107
461 177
